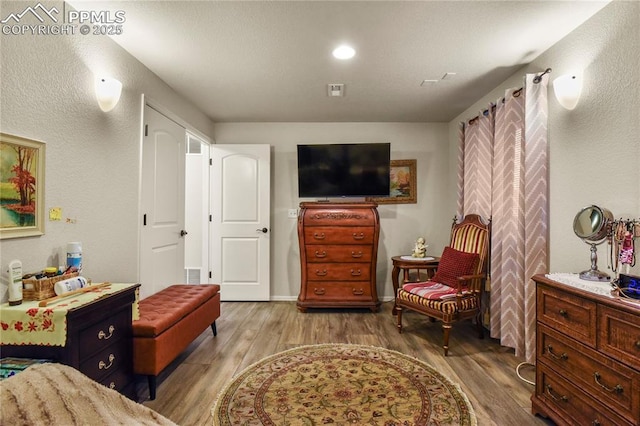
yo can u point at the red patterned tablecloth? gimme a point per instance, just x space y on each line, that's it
29 324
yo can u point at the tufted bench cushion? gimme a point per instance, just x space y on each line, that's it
169 321
165 308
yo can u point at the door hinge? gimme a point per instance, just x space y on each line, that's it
209 274
144 219
210 218
211 161
146 130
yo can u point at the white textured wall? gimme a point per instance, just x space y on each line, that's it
400 224
92 164
594 149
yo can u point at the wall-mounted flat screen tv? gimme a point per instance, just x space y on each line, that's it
343 170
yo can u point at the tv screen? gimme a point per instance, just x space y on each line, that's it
343 170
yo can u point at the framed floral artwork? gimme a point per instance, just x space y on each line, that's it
21 187
403 184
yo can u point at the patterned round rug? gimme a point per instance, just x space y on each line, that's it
339 384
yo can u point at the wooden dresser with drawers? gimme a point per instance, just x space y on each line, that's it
338 252
587 356
98 341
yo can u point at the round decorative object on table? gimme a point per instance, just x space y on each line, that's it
342 384
418 259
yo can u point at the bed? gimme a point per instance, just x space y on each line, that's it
56 394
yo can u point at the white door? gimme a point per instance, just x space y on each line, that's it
162 201
240 223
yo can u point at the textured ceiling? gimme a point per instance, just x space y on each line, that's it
271 61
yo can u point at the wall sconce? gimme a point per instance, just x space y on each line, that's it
568 88
108 92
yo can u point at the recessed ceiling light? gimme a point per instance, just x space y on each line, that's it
344 52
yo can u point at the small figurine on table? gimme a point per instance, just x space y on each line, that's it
420 249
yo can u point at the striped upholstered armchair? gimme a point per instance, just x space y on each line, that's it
454 293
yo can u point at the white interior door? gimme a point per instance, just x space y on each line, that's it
240 223
162 201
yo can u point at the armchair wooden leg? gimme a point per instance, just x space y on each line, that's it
446 328
398 312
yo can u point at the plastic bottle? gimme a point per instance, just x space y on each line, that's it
74 255
15 282
70 284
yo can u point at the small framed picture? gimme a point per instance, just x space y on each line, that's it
403 184
21 187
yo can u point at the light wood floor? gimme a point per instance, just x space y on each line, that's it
248 331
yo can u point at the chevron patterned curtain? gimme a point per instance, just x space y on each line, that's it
503 174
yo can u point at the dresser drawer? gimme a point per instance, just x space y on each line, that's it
338 291
113 358
338 271
567 313
613 384
334 253
339 217
575 407
339 235
117 380
619 335
102 334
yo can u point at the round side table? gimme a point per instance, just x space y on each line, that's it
405 264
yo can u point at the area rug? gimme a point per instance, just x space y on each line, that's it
341 385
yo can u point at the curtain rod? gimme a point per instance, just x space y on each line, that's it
516 93
538 78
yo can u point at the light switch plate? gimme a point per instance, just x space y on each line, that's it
292 214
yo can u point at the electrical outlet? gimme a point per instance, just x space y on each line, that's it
292 214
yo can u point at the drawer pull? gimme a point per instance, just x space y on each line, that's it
103 335
103 366
616 388
358 292
356 272
319 291
638 344
595 423
563 313
562 398
562 357
359 255
359 236
321 255
321 273
319 236
112 385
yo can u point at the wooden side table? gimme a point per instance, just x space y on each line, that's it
405 265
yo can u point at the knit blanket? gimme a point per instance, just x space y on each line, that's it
56 394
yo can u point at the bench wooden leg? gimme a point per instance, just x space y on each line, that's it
214 329
152 387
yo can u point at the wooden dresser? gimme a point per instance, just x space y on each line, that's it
338 252
587 357
98 342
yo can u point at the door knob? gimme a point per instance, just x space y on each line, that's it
263 230
183 233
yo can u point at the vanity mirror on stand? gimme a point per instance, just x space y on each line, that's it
592 225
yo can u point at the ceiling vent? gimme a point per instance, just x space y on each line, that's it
335 89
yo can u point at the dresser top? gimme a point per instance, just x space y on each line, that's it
598 291
338 205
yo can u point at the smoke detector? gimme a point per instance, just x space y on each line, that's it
335 89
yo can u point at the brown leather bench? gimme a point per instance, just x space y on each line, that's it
169 321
